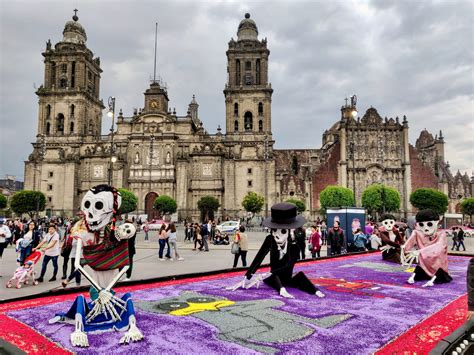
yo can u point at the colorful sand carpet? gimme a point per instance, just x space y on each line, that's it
368 308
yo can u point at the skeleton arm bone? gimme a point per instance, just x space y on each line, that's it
77 265
117 278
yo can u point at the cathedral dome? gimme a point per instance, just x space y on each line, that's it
247 29
74 32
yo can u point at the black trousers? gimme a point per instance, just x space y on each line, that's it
299 281
243 254
441 275
302 246
2 247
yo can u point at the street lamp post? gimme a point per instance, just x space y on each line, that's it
113 159
352 157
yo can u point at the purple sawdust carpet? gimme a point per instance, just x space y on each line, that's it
368 304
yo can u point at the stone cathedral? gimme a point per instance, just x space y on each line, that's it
156 152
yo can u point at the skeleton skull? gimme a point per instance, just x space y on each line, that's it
125 231
98 206
428 228
388 224
280 236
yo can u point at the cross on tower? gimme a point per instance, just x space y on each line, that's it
75 12
75 18
346 100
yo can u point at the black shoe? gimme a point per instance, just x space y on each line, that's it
64 278
40 279
52 279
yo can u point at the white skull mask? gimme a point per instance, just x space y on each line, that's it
98 208
388 224
280 236
125 231
428 228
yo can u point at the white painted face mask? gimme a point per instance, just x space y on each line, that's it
98 208
281 238
428 228
388 224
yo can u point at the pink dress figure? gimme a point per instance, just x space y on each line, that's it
431 248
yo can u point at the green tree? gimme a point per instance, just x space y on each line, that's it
27 201
253 202
376 197
165 205
467 207
300 206
208 205
129 201
336 196
3 202
429 198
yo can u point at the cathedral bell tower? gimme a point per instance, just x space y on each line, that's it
248 94
69 103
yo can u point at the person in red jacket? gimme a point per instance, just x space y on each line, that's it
315 242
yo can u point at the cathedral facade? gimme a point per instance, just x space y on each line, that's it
156 152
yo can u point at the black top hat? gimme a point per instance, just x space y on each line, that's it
284 216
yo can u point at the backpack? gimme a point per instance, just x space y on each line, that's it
67 246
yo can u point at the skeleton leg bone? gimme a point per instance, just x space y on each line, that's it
430 283
411 280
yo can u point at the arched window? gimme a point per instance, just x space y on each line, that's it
236 126
64 68
62 83
60 124
294 165
237 72
48 128
53 74
248 65
71 111
48 112
260 125
260 109
248 121
71 127
73 74
257 72
236 109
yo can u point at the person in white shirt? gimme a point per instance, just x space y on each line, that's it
5 234
51 252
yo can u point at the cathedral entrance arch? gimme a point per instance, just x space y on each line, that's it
149 210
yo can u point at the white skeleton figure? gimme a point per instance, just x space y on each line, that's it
98 209
428 228
281 238
388 224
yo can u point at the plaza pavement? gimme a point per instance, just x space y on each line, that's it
146 264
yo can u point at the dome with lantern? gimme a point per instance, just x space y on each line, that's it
74 32
247 29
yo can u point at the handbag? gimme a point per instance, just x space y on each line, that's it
235 248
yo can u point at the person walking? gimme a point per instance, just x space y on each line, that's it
324 234
5 235
205 235
315 242
162 238
335 239
51 252
300 239
173 241
66 247
455 239
241 238
146 229
75 274
461 239
197 236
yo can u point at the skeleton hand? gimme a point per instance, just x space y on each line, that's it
320 294
385 248
240 284
258 279
105 304
284 293
414 253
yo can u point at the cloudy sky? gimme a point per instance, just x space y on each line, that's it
412 58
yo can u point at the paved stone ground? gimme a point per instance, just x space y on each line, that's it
146 263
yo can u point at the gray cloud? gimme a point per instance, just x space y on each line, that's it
402 57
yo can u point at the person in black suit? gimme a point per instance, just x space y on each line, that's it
284 252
